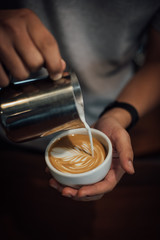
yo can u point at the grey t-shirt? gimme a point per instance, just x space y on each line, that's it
99 40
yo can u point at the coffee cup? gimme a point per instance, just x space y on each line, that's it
66 147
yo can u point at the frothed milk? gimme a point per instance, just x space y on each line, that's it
71 154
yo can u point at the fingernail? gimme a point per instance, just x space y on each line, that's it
56 76
67 195
54 186
130 164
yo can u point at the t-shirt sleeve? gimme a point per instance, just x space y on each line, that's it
156 21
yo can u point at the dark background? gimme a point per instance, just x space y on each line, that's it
30 209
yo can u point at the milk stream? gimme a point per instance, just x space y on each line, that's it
89 134
82 117
80 108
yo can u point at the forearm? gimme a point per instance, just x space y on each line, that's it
143 91
144 88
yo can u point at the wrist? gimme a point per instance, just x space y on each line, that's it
123 112
121 115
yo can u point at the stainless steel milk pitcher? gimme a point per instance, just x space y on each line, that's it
40 107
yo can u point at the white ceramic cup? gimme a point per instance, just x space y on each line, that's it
86 178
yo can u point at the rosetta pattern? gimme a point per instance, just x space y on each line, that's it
72 154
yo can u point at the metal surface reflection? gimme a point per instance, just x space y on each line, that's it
40 107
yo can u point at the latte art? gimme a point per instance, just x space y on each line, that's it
72 154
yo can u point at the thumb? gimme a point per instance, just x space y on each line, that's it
122 144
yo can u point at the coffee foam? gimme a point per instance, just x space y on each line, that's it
72 154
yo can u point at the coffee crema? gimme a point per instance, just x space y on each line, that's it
72 154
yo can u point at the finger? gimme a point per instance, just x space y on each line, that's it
69 192
65 191
4 80
63 64
12 61
122 144
47 170
54 184
48 47
27 50
104 186
88 198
